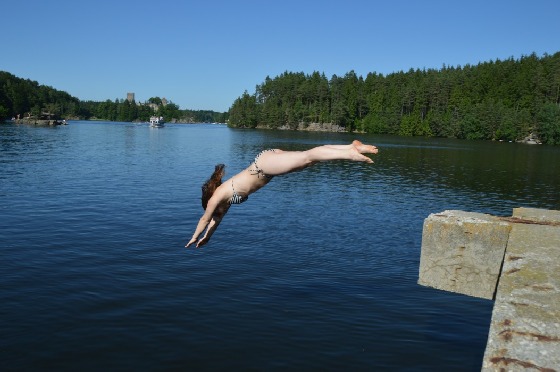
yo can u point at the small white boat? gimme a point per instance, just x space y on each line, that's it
156 122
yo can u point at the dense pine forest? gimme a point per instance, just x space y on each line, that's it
497 100
25 97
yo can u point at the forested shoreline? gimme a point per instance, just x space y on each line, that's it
497 100
27 98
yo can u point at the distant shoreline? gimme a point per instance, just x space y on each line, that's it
531 139
312 127
40 122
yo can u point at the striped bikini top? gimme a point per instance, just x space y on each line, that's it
236 198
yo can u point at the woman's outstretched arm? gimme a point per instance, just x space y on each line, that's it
204 220
210 219
202 224
212 226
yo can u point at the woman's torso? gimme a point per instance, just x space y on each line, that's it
246 182
238 188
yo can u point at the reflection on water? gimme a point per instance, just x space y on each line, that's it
316 271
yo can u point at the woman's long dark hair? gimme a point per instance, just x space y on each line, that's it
212 184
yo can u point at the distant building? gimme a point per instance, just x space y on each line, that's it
164 101
130 97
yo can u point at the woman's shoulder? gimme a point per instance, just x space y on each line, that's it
223 188
225 191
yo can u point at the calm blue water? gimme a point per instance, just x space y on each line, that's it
317 271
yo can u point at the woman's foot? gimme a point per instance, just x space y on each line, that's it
356 156
364 149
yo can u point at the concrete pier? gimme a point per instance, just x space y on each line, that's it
514 260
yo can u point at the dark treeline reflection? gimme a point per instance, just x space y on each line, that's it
521 174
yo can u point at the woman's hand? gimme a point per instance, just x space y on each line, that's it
193 240
203 241
200 243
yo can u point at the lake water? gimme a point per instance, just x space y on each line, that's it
317 271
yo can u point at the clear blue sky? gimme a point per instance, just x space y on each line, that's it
204 54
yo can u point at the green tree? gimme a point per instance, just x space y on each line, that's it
169 112
155 100
4 112
243 113
548 124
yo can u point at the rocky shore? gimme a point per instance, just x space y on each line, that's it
531 139
313 127
44 119
41 122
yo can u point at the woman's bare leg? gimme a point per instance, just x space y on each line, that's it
326 153
276 163
363 149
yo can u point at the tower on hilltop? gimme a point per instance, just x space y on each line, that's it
130 97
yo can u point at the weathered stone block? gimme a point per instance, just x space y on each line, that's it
535 214
462 252
525 330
